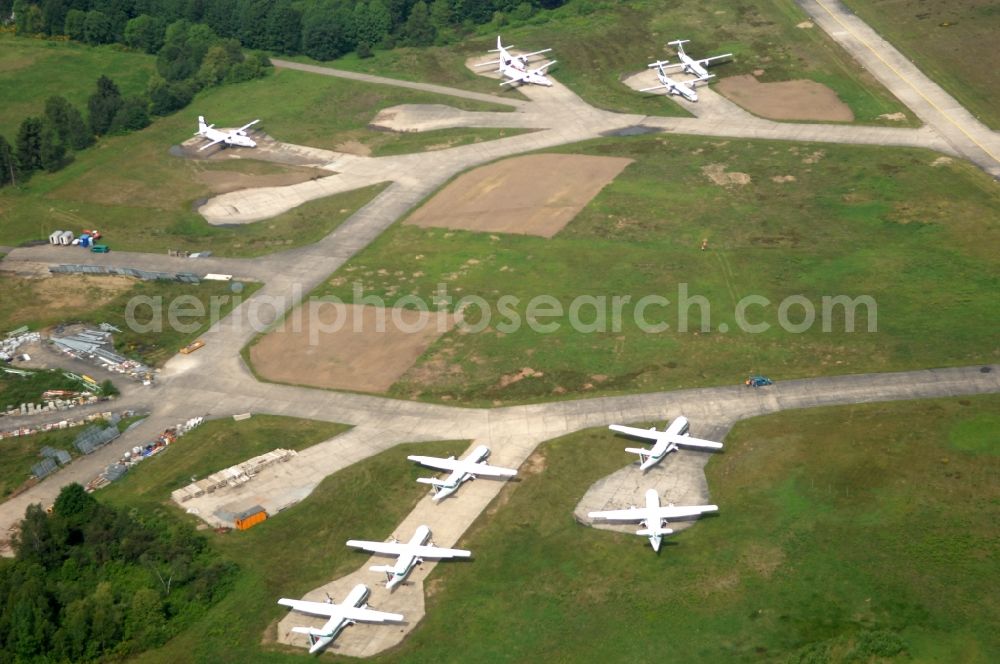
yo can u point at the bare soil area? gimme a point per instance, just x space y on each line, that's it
350 347
785 100
532 195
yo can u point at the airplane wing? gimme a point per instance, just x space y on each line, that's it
208 145
696 442
486 470
675 512
631 514
483 469
391 548
521 76
528 55
340 611
661 86
662 512
713 58
436 462
645 434
439 552
246 126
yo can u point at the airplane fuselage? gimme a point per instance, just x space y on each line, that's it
457 477
406 562
335 626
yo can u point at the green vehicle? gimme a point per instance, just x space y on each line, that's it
100 249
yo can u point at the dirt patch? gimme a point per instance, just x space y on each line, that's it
348 347
527 372
785 100
534 465
355 147
221 182
533 195
717 174
895 117
805 25
941 161
783 178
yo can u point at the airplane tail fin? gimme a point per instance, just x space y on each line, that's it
433 482
649 532
679 43
658 63
202 127
638 450
311 631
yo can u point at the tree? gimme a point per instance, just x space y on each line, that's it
8 163
103 105
419 29
372 22
68 123
217 62
441 14
73 27
97 28
165 97
29 145
327 31
284 28
145 33
53 16
74 505
132 116
27 18
253 23
51 151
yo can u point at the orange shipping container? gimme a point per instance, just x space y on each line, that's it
250 518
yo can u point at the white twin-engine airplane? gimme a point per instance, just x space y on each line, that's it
664 442
350 611
685 89
461 470
235 137
692 66
654 516
410 554
515 67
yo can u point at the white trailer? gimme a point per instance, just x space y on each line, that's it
54 237
66 238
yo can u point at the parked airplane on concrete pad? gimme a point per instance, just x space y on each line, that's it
653 516
235 137
350 611
410 554
515 67
462 470
685 89
664 442
692 66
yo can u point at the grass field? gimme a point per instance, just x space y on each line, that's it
41 303
597 42
32 70
844 534
920 239
287 555
143 198
948 42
